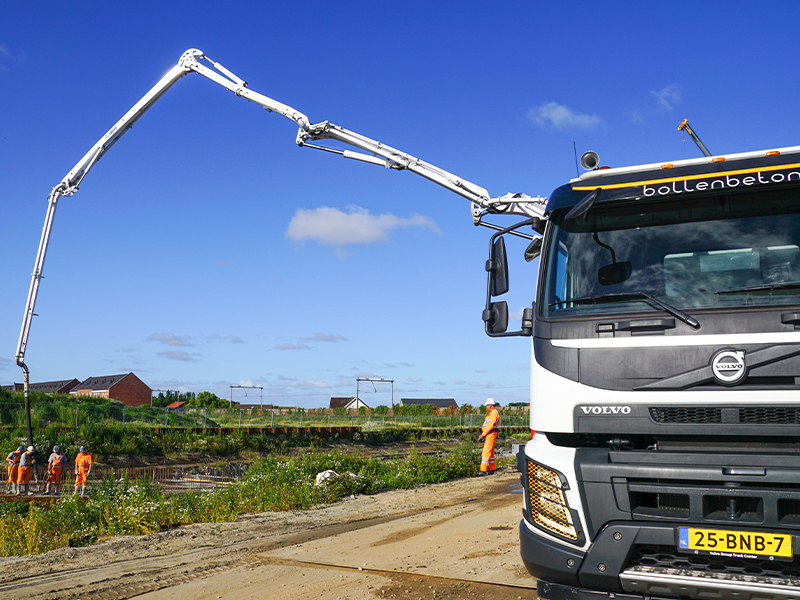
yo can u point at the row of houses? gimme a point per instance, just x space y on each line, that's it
126 388
131 391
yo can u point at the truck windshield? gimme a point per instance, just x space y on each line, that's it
690 252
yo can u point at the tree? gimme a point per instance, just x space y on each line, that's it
171 397
208 400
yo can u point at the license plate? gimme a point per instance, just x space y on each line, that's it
739 544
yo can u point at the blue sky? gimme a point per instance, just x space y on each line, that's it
206 250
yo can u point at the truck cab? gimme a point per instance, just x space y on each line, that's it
665 383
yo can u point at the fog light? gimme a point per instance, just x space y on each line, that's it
549 509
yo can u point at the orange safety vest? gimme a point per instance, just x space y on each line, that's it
83 461
491 422
15 456
57 461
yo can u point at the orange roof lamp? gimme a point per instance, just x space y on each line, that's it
685 127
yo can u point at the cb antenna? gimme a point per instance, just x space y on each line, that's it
685 127
575 150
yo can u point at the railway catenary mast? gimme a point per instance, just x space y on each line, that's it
665 365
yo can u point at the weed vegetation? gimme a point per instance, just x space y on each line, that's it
275 483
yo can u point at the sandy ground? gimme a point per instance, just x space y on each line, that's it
447 541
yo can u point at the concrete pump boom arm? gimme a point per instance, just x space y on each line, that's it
380 154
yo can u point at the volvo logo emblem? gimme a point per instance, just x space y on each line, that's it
728 366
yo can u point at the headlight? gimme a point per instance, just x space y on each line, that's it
548 505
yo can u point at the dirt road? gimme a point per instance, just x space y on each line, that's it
441 542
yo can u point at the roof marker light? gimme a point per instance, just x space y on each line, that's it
666 166
718 159
773 153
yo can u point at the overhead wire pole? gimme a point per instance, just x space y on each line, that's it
374 381
247 387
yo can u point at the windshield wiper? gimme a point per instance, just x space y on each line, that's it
623 297
787 285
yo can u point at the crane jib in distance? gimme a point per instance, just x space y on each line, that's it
379 154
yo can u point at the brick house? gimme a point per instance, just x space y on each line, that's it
64 386
127 389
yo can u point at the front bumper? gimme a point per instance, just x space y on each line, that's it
640 560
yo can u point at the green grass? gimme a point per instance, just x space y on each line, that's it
275 483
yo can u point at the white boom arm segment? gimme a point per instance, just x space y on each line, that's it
379 154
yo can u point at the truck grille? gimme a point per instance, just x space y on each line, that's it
665 557
662 571
681 414
762 415
775 415
769 505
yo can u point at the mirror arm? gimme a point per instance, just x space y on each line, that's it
506 230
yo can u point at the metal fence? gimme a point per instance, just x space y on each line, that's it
71 415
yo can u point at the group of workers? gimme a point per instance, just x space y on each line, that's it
20 469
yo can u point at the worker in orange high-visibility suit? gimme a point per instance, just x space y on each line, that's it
83 467
26 462
13 469
488 436
55 470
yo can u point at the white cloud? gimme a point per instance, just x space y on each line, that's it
170 339
413 379
334 227
558 116
474 384
305 384
174 384
668 97
327 337
517 315
300 346
233 339
179 355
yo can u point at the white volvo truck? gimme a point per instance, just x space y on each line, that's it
665 383
665 371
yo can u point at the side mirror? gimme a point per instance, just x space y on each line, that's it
497 266
614 273
533 250
527 320
496 317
